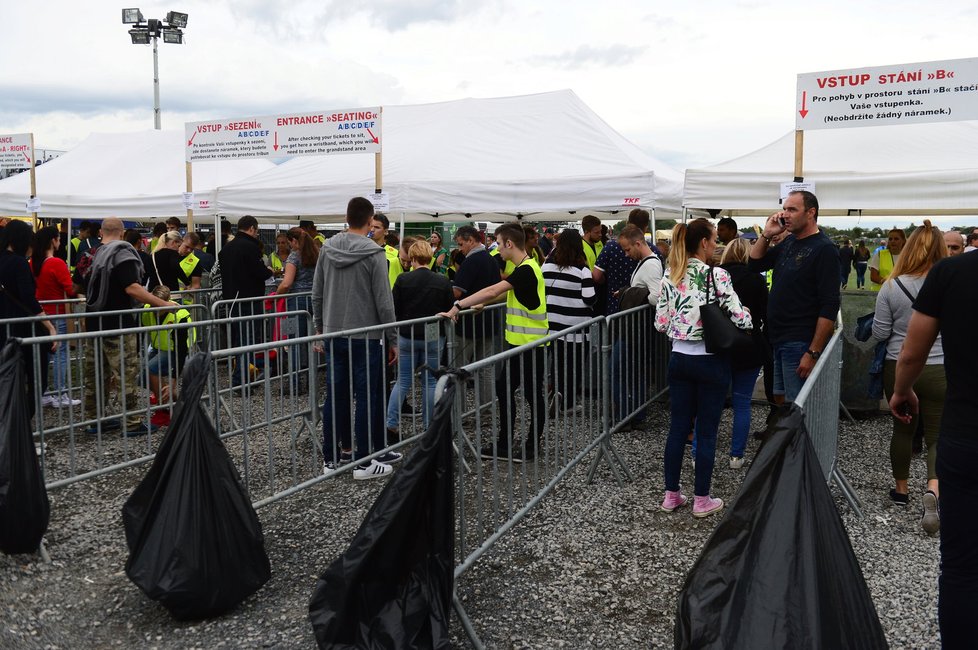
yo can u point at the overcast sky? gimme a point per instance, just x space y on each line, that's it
693 83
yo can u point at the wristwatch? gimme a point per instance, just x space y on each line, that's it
815 354
457 305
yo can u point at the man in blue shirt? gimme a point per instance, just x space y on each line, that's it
804 299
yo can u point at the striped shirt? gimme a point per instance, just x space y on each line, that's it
570 292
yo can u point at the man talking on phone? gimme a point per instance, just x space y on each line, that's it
804 298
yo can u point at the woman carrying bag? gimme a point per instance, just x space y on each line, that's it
894 306
698 380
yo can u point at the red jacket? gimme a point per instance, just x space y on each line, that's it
54 283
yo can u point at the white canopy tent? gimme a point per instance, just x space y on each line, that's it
914 169
541 156
138 175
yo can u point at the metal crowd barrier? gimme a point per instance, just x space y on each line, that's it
819 400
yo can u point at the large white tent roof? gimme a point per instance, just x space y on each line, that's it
541 156
138 175
908 169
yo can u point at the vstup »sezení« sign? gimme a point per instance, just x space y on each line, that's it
318 133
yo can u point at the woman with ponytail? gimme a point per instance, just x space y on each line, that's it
166 262
698 380
894 306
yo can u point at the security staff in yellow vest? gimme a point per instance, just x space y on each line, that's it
190 264
310 229
882 262
281 253
592 243
526 323
168 348
378 232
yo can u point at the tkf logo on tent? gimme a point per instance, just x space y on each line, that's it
630 201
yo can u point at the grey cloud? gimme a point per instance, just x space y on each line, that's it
586 56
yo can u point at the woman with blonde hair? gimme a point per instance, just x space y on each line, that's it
166 262
698 380
894 306
745 365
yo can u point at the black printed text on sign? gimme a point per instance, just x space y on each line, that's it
15 151
321 133
937 91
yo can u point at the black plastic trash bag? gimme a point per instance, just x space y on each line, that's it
195 542
778 571
24 506
393 587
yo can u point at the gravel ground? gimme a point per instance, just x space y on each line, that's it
593 566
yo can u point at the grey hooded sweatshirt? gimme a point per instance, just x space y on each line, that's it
350 288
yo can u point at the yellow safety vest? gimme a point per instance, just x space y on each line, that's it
769 277
591 253
165 340
524 325
886 267
277 263
188 264
320 239
394 267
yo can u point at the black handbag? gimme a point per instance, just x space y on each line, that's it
719 333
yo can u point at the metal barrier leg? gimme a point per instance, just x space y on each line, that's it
463 618
847 491
606 449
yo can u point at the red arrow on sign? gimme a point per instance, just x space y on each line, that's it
191 140
804 100
28 159
275 146
376 141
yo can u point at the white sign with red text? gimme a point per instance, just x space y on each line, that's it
937 91
318 133
16 151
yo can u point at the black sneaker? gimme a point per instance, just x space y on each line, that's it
899 499
389 458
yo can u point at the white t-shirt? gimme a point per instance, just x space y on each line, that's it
648 274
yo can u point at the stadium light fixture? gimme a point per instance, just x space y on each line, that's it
132 16
150 32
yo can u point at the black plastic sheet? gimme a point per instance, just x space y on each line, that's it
393 587
779 571
195 542
24 506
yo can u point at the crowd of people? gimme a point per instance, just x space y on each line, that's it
784 287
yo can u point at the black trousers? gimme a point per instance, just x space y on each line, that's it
527 370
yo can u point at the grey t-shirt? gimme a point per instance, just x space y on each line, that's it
303 274
892 316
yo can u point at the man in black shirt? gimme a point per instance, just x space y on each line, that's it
114 282
243 275
526 322
845 263
804 299
943 306
477 334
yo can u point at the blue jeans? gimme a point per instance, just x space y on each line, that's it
244 333
697 388
354 381
412 354
861 274
958 583
60 380
742 391
299 354
787 356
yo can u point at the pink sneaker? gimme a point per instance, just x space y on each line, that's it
706 506
673 500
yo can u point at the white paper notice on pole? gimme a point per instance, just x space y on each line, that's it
788 188
33 205
318 133
188 200
937 91
15 151
382 201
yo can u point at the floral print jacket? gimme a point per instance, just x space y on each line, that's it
677 314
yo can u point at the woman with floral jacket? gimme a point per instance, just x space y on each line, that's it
698 380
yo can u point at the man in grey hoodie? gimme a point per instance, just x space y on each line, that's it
350 290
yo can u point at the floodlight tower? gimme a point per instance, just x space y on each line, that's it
170 29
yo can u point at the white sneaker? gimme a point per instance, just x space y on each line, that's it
736 462
50 400
373 470
66 401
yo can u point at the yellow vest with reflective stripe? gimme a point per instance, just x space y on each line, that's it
394 267
524 325
592 253
164 340
277 263
886 267
188 264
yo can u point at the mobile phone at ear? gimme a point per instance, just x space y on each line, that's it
781 221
